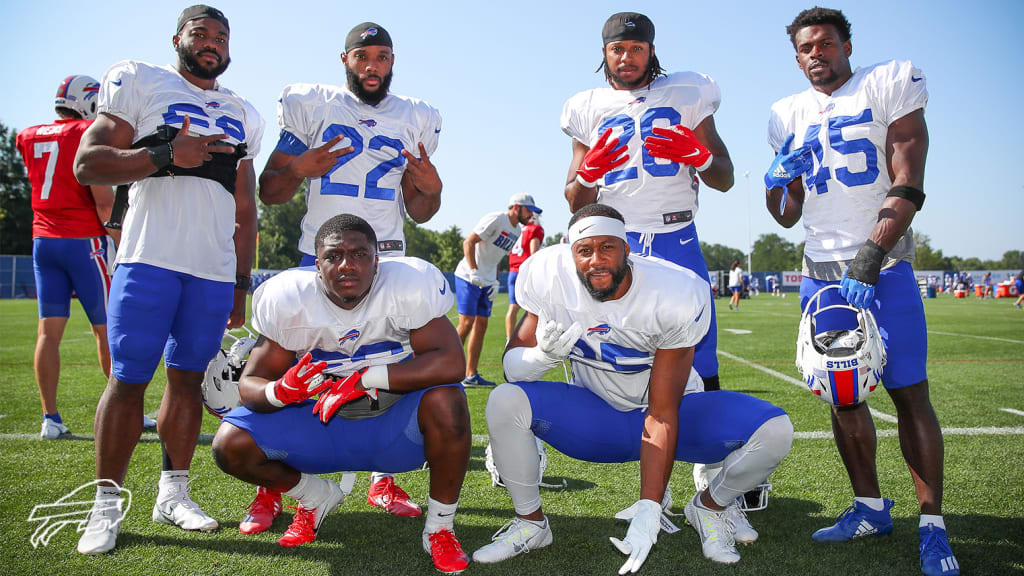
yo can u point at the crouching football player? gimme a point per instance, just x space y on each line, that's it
628 326
371 337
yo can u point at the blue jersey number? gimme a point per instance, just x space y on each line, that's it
197 116
612 353
819 181
372 191
628 125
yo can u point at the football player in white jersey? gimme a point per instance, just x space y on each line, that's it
372 337
364 151
476 276
641 145
850 161
186 250
628 326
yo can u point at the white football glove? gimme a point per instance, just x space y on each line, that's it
492 290
641 536
555 341
475 279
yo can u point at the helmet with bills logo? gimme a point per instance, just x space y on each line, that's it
220 386
79 93
842 367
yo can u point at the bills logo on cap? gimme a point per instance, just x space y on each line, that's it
629 24
368 32
371 122
599 329
350 335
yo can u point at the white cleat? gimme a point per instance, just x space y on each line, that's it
179 510
52 430
148 423
715 533
517 536
100 534
742 531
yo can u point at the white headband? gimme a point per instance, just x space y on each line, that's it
597 226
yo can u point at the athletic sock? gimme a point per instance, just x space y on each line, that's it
310 490
55 417
170 484
439 516
933 519
876 504
378 476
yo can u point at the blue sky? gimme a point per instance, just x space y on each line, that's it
499 73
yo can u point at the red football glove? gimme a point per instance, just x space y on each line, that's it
300 382
341 393
604 156
679 144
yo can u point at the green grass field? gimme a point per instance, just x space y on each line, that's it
976 362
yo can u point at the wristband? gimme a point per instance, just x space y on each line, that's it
376 378
707 164
161 155
867 265
586 184
268 390
914 195
242 282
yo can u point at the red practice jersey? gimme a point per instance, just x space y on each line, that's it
61 207
521 251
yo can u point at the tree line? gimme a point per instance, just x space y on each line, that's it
279 230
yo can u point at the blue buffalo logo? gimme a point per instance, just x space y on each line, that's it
368 32
599 329
371 122
350 335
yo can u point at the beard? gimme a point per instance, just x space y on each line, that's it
190 63
830 77
639 83
618 275
372 98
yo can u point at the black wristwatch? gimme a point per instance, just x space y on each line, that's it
242 282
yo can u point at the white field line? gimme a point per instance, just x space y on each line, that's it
974 336
798 383
1013 411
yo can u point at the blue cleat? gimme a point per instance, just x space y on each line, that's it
856 521
936 557
476 380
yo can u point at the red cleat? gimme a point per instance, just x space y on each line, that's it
387 495
307 520
445 551
262 512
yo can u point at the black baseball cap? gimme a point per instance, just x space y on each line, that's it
367 34
628 26
201 11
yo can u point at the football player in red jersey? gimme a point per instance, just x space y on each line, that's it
69 244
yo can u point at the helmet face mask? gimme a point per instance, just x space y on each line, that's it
844 366
756 499
79 93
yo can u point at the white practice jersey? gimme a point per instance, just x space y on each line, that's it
368 181
653 194
181 223
293 310
847 132
665 307
497 237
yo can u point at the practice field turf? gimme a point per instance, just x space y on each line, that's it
976 369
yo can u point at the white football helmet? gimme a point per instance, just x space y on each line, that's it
220 386
842 367
79 93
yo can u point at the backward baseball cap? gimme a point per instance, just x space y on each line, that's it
526 201
627 26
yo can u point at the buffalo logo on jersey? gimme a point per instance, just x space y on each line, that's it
371 122
639 100
368 32
828 108
350 335
600 329
213 104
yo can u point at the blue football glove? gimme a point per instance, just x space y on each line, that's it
858 284
787 166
